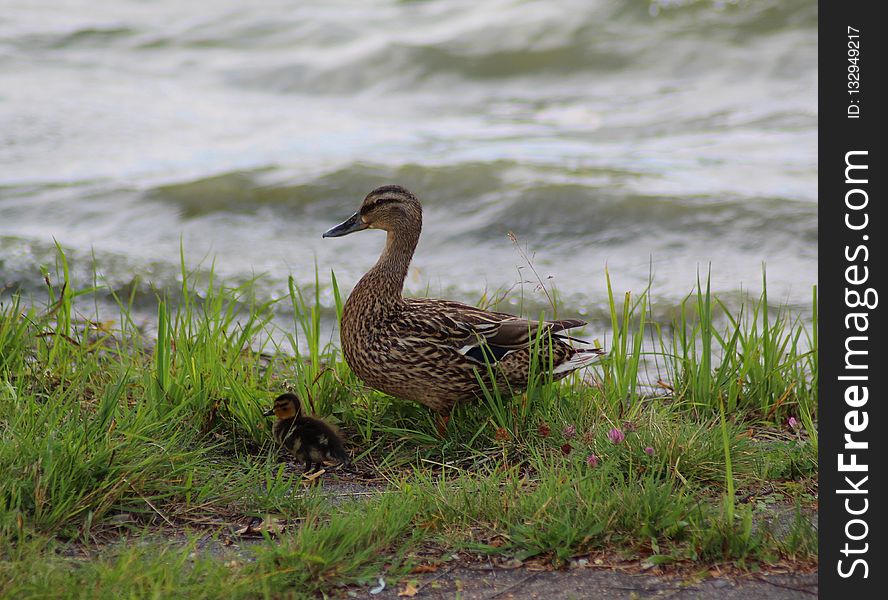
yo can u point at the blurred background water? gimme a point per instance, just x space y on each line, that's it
654 138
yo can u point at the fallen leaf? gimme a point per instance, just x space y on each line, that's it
425 568
271 525
409 590
308 479
442 424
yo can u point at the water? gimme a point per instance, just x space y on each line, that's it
656 139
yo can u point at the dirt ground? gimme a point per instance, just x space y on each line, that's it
441 575
468 577
470 583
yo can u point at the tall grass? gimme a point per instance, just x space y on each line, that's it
88 427
98 422
621 371
319 373
755 363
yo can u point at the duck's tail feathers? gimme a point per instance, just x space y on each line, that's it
583 357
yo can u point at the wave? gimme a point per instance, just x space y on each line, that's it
341 48
481 195
599 132
26 269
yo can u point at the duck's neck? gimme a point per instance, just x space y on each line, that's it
385 281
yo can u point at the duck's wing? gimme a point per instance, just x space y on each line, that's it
478 334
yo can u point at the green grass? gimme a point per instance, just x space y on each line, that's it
106 432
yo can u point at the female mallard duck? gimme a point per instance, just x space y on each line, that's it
310 440
429 350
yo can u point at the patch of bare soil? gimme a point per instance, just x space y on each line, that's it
599 575
490 582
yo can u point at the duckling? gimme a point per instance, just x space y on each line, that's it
309 439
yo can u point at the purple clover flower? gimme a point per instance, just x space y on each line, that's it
569 432
616 436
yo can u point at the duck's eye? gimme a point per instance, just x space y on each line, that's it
377 203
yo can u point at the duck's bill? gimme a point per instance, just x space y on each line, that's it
353 224
268 413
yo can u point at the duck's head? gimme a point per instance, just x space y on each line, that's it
389 207
286 406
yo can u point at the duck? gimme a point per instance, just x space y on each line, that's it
309 439
433 351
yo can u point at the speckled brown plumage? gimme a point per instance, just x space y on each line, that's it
428 350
